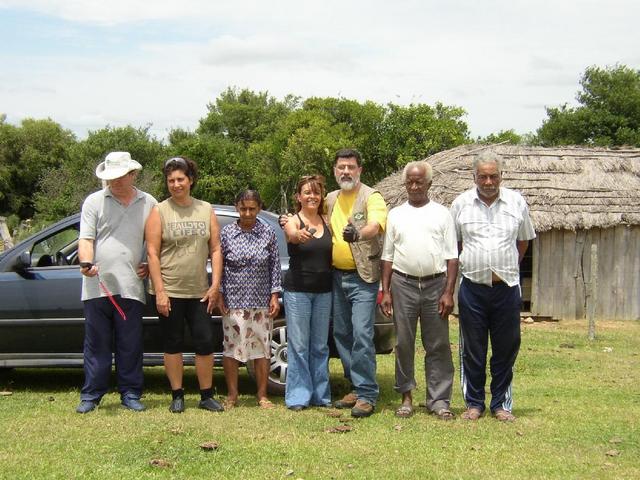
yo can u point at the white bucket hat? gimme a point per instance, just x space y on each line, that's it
116 165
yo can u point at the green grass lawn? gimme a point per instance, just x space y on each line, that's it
577 403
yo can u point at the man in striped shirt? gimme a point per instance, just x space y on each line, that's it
493 228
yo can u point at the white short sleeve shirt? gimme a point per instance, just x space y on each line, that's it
419 241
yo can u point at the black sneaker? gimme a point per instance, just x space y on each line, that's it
177 405
211 405
86 406
132 403
296 408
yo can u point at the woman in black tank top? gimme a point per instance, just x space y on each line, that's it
307 298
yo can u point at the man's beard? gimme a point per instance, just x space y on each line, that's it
348 185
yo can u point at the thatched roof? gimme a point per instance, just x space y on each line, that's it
566 188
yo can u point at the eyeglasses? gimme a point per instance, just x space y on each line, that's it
176 161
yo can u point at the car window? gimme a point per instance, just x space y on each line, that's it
226 217
61 248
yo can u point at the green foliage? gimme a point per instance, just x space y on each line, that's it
28 153
245 116
417 131
63 190
609 111
503 136
223 169
247 139
304 143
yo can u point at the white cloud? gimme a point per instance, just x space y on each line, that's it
161 62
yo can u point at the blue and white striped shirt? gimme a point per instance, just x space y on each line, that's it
489 235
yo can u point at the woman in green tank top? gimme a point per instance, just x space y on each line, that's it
182 233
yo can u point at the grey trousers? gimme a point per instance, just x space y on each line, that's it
413 299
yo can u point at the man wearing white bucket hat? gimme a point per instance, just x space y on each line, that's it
111 250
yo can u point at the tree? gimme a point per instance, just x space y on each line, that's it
609 111
223 168
303 143
503 136
28 153
417 131
245 116
63 190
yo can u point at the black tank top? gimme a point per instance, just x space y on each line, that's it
310 264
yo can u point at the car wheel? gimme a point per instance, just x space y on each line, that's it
278 367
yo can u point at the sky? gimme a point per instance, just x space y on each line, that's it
92 63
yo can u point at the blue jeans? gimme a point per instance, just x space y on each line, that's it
354 305
308 317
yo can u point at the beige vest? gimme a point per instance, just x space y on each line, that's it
366 253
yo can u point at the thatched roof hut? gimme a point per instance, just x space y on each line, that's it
566 188
577 197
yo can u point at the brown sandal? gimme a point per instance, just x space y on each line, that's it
472 413
444 414
404 411
266 404
504 415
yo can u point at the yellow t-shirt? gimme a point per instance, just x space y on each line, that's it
376 212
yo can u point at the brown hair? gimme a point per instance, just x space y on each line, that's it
185 165
316 182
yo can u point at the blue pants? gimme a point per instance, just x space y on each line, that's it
308 317
488 312
354 305
102 325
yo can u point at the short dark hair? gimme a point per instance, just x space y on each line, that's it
185 165
247 196
348 153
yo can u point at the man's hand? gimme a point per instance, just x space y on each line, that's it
386 304
283 219
88 269
445 305
143 270
350 233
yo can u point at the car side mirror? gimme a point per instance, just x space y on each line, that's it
24 260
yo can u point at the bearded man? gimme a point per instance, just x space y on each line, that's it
357 215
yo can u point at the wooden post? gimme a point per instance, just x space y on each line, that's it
592 292
7 242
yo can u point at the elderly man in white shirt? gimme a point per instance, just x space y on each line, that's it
494 228
419 269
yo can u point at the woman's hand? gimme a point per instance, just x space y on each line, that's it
274 306
304 235
222 306
211 297
163 304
